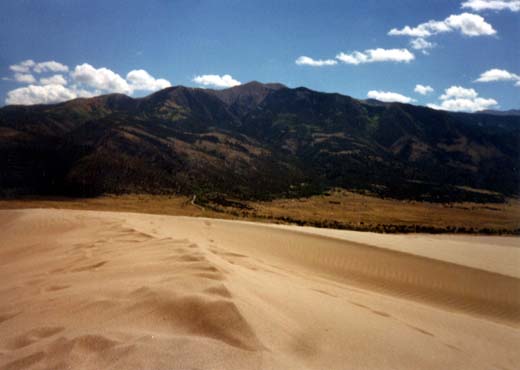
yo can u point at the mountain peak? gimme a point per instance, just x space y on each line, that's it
257 84
247 95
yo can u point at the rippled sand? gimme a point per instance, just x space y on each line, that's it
101 290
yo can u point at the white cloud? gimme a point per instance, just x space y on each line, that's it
307 61
100 78
458 92
421 44
496 74
53 80
354 58
24 78
423 90
376 55
388 96
22 67
216 81
470 24
39 95
141 80
466 23
106 80
422 30
390 55
465 105
84 81
479 5
457 98
30 65
50 66
83 93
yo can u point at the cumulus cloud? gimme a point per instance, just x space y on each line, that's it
466 23
83 93
458 92
30 65
421 44
100 78
496 74
470 25
50 66
388 96
423 90
216 81
457 98
141 80
34 94
53 80
479 5
83 81
24 78
307 61
377 55
422 30
106 80
23 67
465 105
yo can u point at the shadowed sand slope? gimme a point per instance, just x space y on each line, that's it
91 290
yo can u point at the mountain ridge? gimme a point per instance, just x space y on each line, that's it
256 141
268 85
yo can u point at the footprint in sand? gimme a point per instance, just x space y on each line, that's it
219 290
25 362
421 330
90 267
54 288
7 315
32 336
210 276
326 293
380 313
201 315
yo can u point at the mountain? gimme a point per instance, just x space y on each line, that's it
510 112
256 141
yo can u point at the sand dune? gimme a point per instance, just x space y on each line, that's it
92 290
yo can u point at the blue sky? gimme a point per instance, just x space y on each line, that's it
359 48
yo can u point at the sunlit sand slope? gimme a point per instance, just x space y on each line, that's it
92 290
